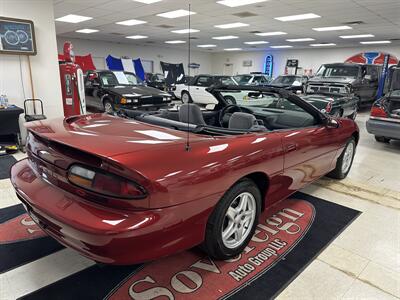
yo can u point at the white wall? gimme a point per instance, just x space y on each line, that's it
308 58
45 71
100 50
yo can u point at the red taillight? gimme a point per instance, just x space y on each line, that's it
328 108
104 183
377 111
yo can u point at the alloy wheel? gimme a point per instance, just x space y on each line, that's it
239 220
348 157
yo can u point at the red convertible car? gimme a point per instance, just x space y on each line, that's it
139 186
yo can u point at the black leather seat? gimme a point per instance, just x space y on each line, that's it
191 113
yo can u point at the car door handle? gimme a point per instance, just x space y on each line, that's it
291 147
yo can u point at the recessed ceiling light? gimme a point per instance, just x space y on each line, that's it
233 49
231 25
281 47
375 42
226 37
332 28
298 17
236 3
207 46
87 30
137 37
323 45
300 40
358 36
176 14
256 43
73 19
182 31
147 1
131 22
175 42
271 33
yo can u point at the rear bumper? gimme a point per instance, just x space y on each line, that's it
102 234
384 128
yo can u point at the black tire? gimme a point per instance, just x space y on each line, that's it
338 172
382 139
108 104
230 100
213 244
184 93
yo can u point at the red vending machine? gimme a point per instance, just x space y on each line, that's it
72 84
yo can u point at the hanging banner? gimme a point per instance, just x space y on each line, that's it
376 58
139 70
383 76
173 73
85 62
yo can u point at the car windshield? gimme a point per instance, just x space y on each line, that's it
260 100
337 71
317 102
226 81
243 79
119 78
286 79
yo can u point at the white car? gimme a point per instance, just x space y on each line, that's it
253 79
195 90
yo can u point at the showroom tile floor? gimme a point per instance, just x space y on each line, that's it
362 263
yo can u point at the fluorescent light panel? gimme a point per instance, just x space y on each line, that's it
271 33
323 45
87 30
131 22
332 28
358 36
233 49
298 17
183 31
175 42
300 40
375 42
281 47
231 25
236 3
137 37
176 14
73 19
147 1
207 46
256 43
226 37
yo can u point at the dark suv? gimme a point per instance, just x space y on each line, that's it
362 80
110 91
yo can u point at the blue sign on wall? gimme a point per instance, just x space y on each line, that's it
269 65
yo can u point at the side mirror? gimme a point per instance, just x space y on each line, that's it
210 106
331 123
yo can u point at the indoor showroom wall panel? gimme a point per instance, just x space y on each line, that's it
14 76
308 58
100 50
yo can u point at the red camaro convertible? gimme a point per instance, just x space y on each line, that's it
138 186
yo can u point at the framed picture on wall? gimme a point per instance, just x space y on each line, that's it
17 37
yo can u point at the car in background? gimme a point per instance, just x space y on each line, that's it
334 104
293 83
360 79
253 79
157 81
195 90
110 91
384 122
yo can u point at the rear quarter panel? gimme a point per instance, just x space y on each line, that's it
208 169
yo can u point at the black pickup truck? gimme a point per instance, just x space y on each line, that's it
361 80
110 91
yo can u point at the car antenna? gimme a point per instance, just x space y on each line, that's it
188 106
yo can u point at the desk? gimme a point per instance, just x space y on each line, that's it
9 125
